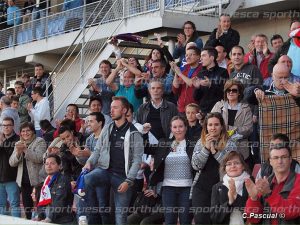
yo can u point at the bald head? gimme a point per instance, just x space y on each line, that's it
281 74
285 60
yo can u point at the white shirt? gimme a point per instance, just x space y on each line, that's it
41 111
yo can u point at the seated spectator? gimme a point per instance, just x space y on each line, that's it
266 169
41 79
41 109
261 55
286 60
9 190
237 115
194 128
100 88
276 42
277 194
24 99
13 14
10 92
25 78
229 196
280 86
207 156
222 58
48 131
127 88
157 112
189 35
224 34
288 48
56 197
28 157
171 158
7 111
154 55
158 72
72 113
183 81
1 93
15 103
209 85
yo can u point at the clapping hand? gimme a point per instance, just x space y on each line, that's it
251 189
232 191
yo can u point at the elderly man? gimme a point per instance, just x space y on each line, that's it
279 86
275 200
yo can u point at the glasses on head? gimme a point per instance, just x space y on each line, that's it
283 157
236 163
232 90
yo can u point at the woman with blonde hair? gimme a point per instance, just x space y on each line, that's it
208 153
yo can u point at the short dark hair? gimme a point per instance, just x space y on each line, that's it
12 90
45 124
238 46
131 108
68 123
20 83
224 14
105 61
27 125
195 49
9 119
15 98
63 129
285 142
95 98
276 36
99 117
75 106
56 157
221 45
38 90
122 99
39 65
162 62
211 51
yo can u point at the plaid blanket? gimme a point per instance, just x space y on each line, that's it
279 114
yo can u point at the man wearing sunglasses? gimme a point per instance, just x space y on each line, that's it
276 199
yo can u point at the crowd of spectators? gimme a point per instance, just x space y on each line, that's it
179 137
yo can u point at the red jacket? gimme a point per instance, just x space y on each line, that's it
185 93
263 65
289 207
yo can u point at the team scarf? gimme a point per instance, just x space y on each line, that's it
295 34
45 198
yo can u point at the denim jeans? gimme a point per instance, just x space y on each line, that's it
176 203
10 190
105 180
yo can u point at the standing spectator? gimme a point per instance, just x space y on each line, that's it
224 34
208 154
28 7
154 55
3 11
25 78
7 111
183 81
1 93
15 103
276 42
157 112
8 186
116 163
189 35
289 48
23 101
222 58
28 157
279 193
209 86
172 166
13 14
10 92
237 115
229 196
41 79
40 111
56 194
194 128
261 55
100 88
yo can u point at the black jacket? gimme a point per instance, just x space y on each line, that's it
209 96
220 208
228 40
282 51
167 111
7 173
62 199
160 153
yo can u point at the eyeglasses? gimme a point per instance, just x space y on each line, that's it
233 164
283 157
232 90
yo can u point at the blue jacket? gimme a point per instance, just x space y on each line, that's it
13 15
